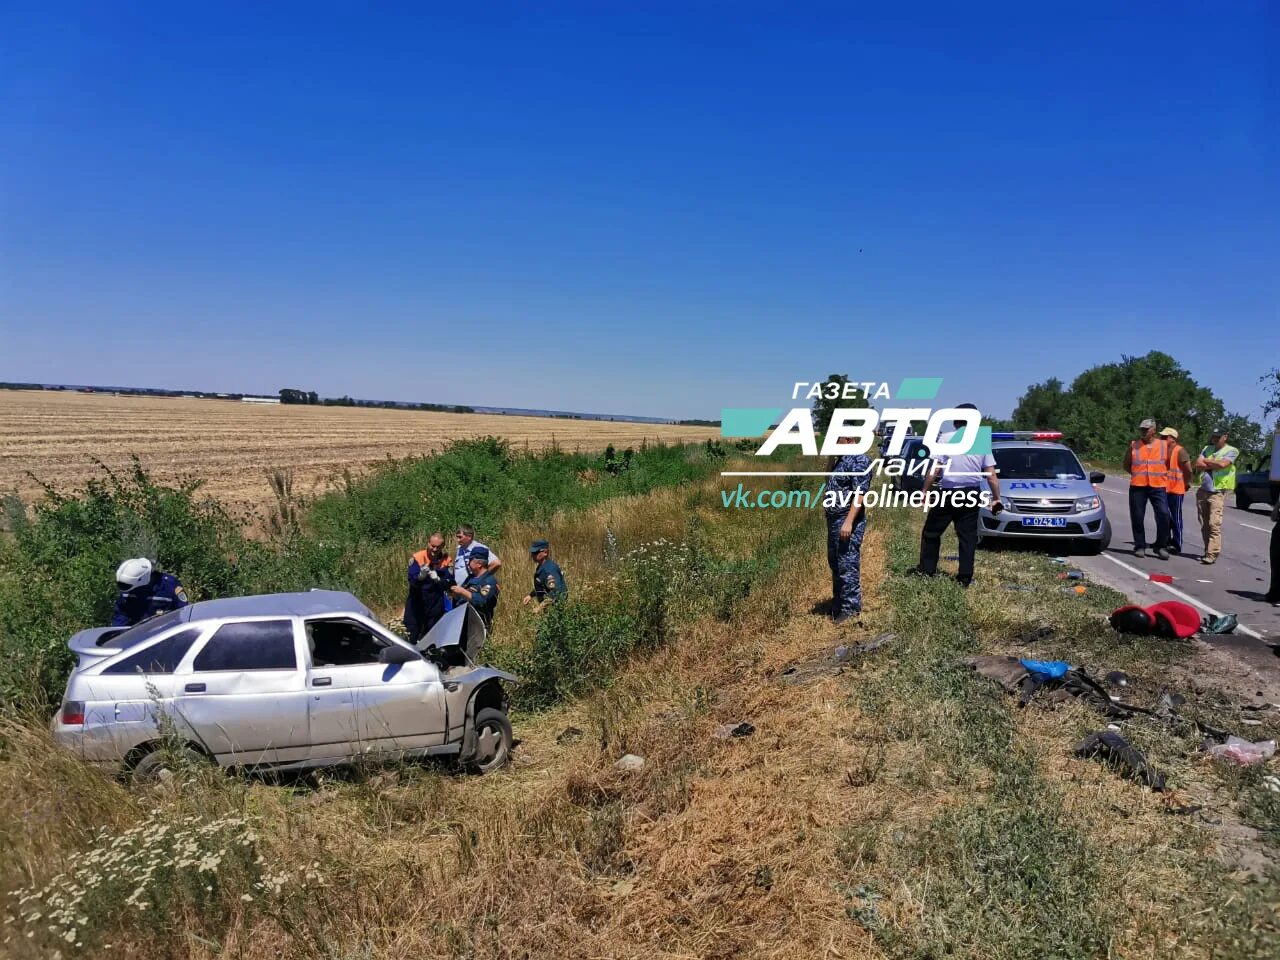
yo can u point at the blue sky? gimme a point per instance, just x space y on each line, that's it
661 211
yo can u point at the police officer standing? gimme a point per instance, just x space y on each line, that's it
846 523
481 588
430 577
145 592
548 581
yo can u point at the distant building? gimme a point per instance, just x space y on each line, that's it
275 400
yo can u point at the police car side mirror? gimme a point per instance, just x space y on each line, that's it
1097 476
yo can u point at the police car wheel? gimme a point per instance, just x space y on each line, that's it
493 740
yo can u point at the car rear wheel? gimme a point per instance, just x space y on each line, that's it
162 765
1242 499
493 741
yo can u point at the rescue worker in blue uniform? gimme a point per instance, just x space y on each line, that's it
430 577
548 580
145 592
846 523
481 588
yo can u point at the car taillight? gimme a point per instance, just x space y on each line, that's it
73 712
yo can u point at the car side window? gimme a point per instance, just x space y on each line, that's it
342 643
162 657
251 645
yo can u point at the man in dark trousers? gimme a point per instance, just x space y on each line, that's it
548 580
959 480
1273 595
430 577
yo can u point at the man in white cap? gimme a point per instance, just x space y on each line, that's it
1178 481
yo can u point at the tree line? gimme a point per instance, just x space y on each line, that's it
1099 412
311 398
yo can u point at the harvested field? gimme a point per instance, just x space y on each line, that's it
231 445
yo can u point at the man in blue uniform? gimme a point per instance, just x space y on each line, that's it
846 523
548 581
145 592
430 577
481 588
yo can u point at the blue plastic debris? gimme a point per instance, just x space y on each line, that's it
1053 669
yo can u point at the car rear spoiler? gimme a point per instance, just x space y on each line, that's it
88 644
462 629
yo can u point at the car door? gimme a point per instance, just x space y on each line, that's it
358 704
243 692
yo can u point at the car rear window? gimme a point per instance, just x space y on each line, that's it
141 632
249 645
1032 463
162 657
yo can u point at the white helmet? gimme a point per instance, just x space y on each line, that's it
133 573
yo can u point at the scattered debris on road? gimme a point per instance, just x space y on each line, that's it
1244 752
1121 755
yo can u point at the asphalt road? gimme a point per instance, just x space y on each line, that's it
1235 584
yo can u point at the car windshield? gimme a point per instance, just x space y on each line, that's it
144 630
1038 463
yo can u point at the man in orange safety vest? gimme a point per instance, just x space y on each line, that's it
1147 462
1180 475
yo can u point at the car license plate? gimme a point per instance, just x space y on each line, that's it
1044 521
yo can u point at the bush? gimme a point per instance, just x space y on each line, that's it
483 482
57 575
57 572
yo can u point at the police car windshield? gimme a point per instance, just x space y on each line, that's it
144 630
1038 463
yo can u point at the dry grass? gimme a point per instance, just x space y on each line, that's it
233 445
866 817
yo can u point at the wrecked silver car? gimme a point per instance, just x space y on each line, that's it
284 682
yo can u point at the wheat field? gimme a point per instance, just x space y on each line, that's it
54 438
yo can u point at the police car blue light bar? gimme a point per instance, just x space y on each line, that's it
1028 435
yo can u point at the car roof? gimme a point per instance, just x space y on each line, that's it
308 604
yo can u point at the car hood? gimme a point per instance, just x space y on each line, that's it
461 627
1051 489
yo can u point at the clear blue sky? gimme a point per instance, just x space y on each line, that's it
660 212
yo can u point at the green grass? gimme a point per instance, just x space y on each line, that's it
1005 862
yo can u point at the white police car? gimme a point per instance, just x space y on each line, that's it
1045 492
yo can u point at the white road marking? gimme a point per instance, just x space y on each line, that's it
1252 527
1204 581
1184 597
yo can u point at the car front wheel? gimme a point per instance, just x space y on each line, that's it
493 741
1242 500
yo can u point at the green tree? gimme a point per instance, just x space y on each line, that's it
1271 385
1040 407
825 405
1099 413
